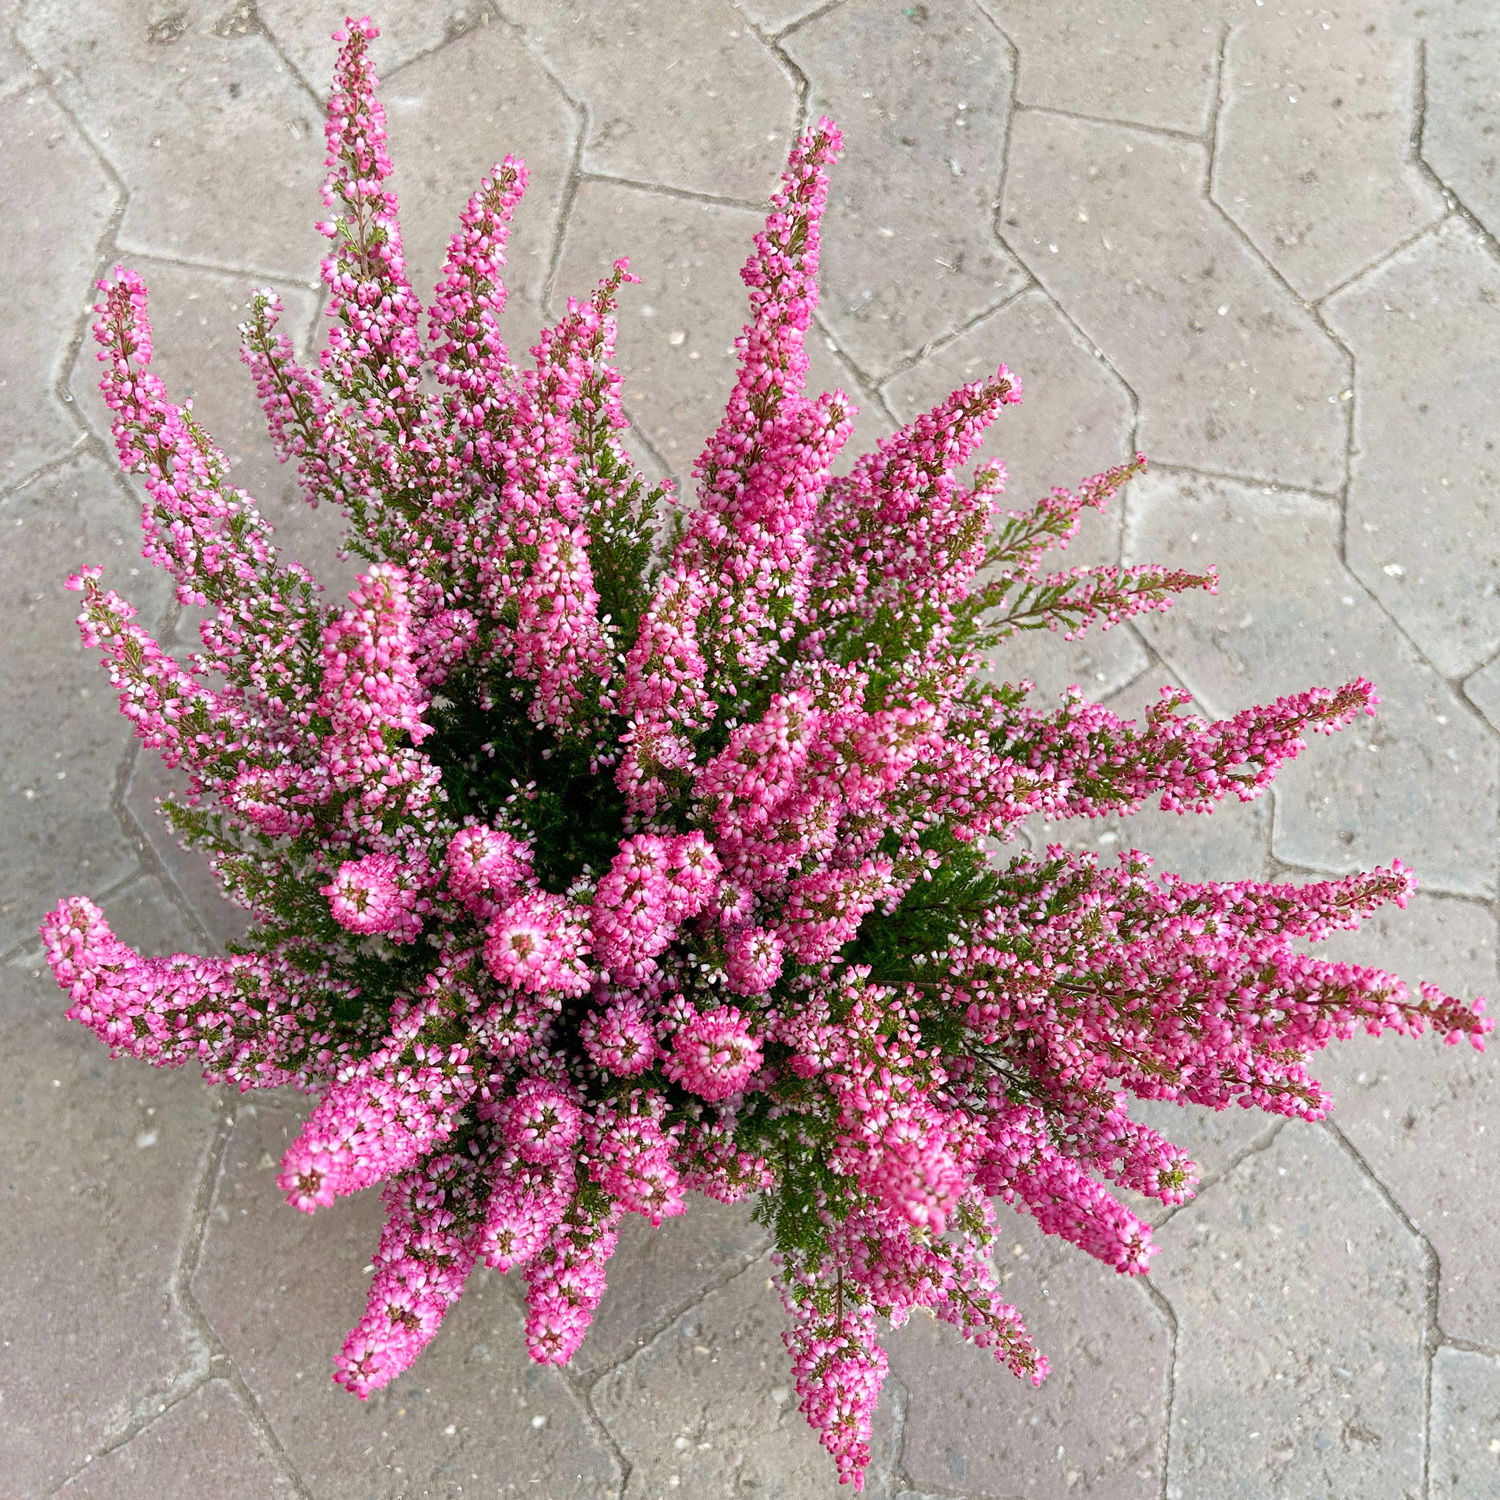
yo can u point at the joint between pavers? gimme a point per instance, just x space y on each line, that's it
1169 1312
454 30
79 447
22 83
1263 481
583 1393
124 1436
1132 396
666 190
1309 305
317 97
32 947
1419 159
997 230
815 14
1433 1334
1263 1142
573 175
204 1345
655 1331
103 246
186 1268
897 1477
950 335
222 268
1171 132
1317 303
865 383
1215 110
1467 1346
152 862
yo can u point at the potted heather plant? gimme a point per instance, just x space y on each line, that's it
603 850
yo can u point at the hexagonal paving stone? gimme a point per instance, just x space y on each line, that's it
1301 1319
63 737
474 1416
1424 1116
204 1445
1151 65
1232 373
1425 330
910 252
707 1408
1097 1425
1314 155
55 200
105 1160
190 108
1465 1425
718 125
1408 782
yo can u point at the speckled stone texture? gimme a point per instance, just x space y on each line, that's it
1256 240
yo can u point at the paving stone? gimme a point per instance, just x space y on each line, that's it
189 111
677 329
1424 1116
407 29
63 735
474 1416
720 125
55 200
1461 118
1483 691
204 1445
1097 1426
1314 155
105 1157
1151 65
708 1407
1301 1312
657 1274
1465 1425
1424 518
910 252
1232 372
452 116
1287 617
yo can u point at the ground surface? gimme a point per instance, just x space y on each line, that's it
1258 242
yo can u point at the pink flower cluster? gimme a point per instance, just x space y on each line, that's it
593 862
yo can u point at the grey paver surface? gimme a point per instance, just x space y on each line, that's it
1254 239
